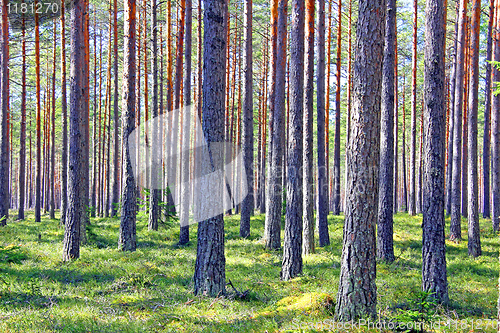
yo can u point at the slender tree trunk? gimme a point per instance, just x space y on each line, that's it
308 183
4 129
465 135
247 206
38 178
322 193
404 203
357 295
210 276
116 166
495 129
433 243
274 187
451 124
127 239
78 153
487 116
336 153
154 208
184 213
455 226
413 147
53 130
385 246
396 120
22 144
474 242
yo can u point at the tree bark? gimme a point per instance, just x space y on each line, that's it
4 105
292 250
116 167
210 276
385 246
247 206
413 161
22 143
474 242
38 178
78 153
433 243
274 186
336 152
308 183
322 193
127 239
487 117
455 226
155 174
53 130
357 295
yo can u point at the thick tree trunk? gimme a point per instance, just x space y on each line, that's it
292 250
474 242
455 226
322 193
385 247
78 153
127 239
308 183
433 243
210 276
357 295
247 206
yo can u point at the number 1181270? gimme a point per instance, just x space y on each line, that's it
33 8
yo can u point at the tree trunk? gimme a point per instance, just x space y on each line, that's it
396 122
127 239
292 250
116 167
455 226
495 131
210 276
4 129
38 180
404 202
308 183
451 125
78 153
413 147
22 149
322 193
274 187
487 116
184 200
433 242
53 130
247 206
357 295
336 152
474 242
385 247
155 173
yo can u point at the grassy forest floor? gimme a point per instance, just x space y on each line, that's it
151 290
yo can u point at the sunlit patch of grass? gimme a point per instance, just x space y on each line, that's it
151 290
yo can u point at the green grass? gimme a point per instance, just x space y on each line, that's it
151 290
